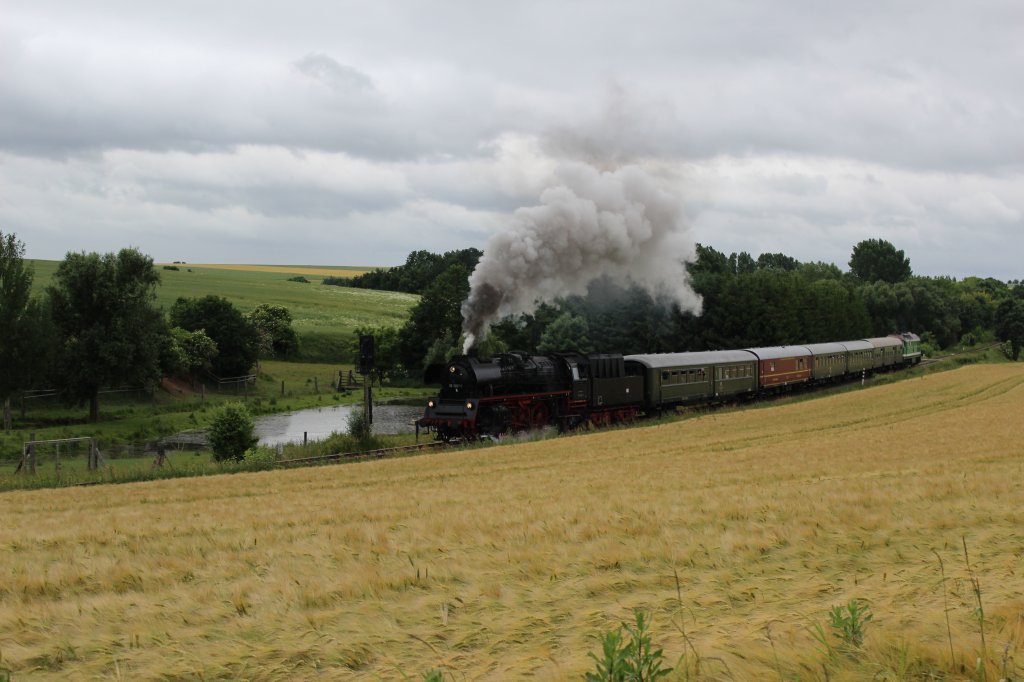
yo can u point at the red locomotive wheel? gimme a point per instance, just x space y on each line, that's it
541 415
521 418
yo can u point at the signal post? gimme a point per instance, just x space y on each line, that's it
366 369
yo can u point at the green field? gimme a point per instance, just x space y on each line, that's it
324 316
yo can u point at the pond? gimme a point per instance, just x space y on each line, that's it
319 422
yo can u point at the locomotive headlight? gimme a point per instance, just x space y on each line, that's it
469 405
430 403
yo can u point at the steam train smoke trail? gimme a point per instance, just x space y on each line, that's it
625 224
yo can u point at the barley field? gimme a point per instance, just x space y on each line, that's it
737 532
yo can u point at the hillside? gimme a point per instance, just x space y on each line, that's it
322 314
507 561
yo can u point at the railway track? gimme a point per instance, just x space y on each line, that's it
381 453
932 361
384 453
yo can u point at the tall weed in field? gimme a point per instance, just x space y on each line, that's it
628 660
848 622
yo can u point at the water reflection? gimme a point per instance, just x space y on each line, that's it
319 422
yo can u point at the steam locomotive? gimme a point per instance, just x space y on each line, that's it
517 391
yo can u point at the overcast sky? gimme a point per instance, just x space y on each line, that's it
325 132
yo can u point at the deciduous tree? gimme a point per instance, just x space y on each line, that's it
17 322
438 313
1010 324
273 323
567 333
110 330
877 259
237 341
193 352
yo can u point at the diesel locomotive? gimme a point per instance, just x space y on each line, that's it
517 391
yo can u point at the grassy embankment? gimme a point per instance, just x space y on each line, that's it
324 316
506 561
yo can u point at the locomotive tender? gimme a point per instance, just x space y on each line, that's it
516 391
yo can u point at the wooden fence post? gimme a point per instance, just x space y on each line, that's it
282 388
316 385
32 453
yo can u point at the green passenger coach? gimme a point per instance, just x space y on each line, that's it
681 378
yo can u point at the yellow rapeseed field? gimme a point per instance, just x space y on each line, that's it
325 271
505 562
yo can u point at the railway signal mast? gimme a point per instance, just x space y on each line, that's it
366 369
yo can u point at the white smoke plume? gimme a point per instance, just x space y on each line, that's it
626 224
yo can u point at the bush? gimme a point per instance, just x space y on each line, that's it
359 427
260 458
299 278
231 432
171 267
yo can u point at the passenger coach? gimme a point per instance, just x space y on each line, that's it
682 378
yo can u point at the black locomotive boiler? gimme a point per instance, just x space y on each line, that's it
516 391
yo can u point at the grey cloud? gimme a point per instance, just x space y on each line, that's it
920 96
915 85
272 200
328 71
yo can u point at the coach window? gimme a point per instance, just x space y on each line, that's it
664 376
771 366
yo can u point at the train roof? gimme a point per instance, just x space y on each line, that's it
884 342
860 344
778 352
711 357
906 336
825 348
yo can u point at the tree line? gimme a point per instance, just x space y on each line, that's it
773 299
98 326
420 269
